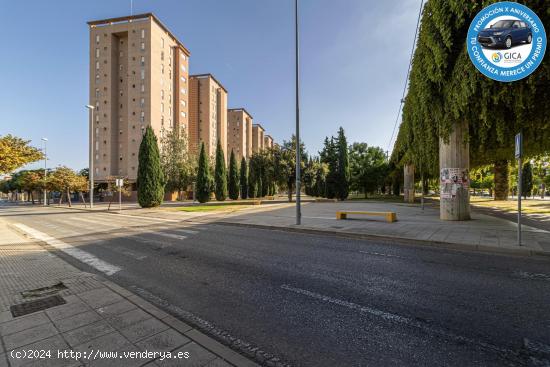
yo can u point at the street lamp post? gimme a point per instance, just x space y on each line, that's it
91 169
44 199
298 153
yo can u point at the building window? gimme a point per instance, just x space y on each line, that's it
162 42
183 68
121 54
97 93
143 33
170 61
120 67
97 65
162 68
162 55
142 87
183 114
143 61
97 38
142 102
142 117
97 52
170 122
183 103
162 94
170 111
142 46
142 74
162 107
182 90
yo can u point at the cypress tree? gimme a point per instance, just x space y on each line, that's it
233 177
203 178
150 179
330 157
244 179
343 166
526 180
220 174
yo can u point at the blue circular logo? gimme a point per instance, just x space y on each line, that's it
506 41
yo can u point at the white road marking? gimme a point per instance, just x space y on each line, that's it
398 319
526 275
169 235
78 254
381 254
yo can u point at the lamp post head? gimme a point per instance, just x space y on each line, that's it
89 106
44 139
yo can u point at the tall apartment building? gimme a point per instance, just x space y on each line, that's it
207 114
138 78
268 142
239 133
257 138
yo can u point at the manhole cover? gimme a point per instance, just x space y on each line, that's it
44 291
37 305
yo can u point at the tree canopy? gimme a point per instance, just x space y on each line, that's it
16 152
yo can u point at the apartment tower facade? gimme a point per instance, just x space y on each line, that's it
268 142
138 78
257 138
207 114
239 132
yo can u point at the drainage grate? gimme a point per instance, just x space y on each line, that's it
37 305
44 291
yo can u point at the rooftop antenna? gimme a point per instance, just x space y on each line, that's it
131 7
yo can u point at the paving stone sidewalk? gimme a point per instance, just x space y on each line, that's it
483 232
98 317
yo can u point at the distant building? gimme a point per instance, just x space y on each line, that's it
257 138
268 142
138 78
207 114
239 132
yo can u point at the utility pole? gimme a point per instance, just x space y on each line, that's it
519 156
45 198
298 153
91 169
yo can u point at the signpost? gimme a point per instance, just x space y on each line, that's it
119 184
519 156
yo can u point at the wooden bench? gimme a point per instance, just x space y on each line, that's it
388 216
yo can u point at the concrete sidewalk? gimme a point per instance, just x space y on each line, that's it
97 317
483 232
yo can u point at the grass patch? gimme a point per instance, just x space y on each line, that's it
530 206
229 206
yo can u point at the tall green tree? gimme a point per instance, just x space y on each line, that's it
244 179
368 168
527 180
233 177
16 152
150 178
220 174
329 157
343 166
203 186
178 165
284 162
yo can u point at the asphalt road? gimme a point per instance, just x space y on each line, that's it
321 301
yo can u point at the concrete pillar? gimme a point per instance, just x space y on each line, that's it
454 166
408 187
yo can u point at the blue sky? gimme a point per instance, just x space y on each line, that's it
354 58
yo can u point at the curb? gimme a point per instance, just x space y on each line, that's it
397 240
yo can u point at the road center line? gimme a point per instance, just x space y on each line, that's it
399 319
78 254
381 254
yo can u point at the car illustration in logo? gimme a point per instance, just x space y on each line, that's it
506 33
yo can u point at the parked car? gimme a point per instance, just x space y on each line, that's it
506 33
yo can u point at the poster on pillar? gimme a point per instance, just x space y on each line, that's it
452 181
